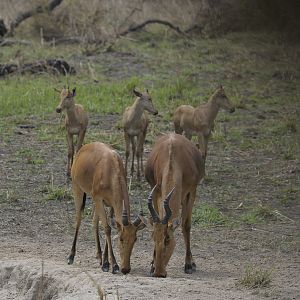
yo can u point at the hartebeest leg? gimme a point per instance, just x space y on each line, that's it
152 269
202 144
133 146
127 150
70 153
142 149
80 198
139 153
80 140
99 206
96 236
190 266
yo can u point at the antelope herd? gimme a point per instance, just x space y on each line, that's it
173 170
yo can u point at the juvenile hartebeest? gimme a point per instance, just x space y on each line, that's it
76 122
200 120
98 171
174 164
135 124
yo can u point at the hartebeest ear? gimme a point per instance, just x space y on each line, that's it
138 94
74 92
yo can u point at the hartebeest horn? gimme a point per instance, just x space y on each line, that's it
167 207
153 213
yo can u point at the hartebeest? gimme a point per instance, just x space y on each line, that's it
76 122
200 120
174 164
98 171
135 124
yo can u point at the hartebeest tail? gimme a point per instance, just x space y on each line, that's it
135 124
98 171
175 167
76 122
200 120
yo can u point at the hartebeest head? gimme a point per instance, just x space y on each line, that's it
127 238
146 101
66 99
222 100
163 236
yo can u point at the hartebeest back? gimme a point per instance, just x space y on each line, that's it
98 171
76 122
200 120
135 124
174 164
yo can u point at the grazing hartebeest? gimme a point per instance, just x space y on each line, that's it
98 171
200 120
76 122
135 123
174 163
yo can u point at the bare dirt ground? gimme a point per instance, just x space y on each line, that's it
36 234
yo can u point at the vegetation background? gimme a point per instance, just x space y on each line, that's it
245 234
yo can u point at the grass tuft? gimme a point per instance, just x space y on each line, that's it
255 278
208 216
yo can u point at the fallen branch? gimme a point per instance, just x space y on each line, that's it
52 66
9 42
27 14
133 28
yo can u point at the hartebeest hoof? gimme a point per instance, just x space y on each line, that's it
190 268
71 259
105 266
115 269
125 270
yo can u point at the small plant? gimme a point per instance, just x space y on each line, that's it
255 278
259 214
208 215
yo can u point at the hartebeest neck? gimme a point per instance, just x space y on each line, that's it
212 109
135 112
71 113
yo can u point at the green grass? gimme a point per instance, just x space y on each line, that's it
206 215
260 213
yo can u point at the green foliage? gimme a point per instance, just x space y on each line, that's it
206 215
260 213
255 278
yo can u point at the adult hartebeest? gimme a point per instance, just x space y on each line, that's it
76 122
174 164
135 124
200 120
98 171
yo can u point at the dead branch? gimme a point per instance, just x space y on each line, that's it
133 28
27 14
9 42
50 66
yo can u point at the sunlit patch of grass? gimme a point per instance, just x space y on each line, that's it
289 195
30 156
59 193
207 215
255 278
260 213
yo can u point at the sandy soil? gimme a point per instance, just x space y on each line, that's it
36 235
